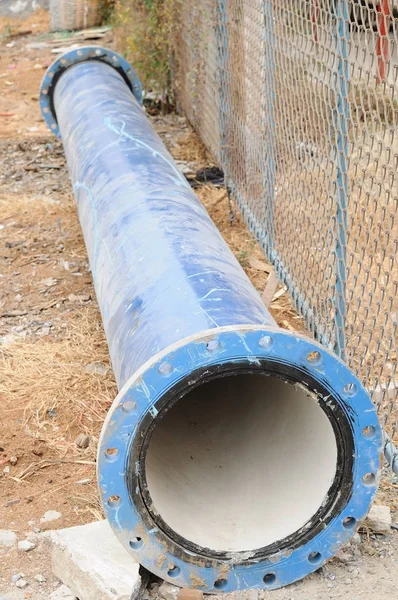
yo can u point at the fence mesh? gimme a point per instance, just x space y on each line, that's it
297 100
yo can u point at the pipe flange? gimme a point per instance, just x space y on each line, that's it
139 403
73 57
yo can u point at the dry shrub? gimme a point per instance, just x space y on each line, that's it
144 34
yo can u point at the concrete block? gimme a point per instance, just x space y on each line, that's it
93 564
62 593
188 594
379 519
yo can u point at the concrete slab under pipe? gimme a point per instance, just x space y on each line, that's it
241 462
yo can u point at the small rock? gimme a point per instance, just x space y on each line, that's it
17 577
188 594
21 584
13 460
379 519
4 598
12 502
82 440
6 470
50 515
26 546
356 539
40 578
97 368
36 530
167 591
7 538
62 593
348 581
37 66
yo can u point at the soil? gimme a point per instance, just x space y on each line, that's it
56 382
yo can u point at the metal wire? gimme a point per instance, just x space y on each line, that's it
297 100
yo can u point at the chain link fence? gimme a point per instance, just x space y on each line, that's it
297 101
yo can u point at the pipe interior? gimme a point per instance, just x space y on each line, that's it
241 462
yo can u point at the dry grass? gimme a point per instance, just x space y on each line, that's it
54 382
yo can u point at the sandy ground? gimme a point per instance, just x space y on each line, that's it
55 378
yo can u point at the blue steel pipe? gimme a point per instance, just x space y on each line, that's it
236 455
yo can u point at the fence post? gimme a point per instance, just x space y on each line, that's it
341 113
383 42
223 85
268 125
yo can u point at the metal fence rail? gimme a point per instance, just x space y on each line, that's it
297 100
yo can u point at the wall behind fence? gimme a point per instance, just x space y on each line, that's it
297 101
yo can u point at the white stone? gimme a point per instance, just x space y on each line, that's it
62 593
7 539
26 545
379 519
93 564
21 584
167 591
50 515
40 578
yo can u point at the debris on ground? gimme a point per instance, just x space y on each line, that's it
50 515
26 546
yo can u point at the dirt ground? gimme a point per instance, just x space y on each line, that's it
56 383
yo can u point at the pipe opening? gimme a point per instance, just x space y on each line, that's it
241 462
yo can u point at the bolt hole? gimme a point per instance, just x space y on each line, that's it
266 342
369 478
350 389
111 454
220 584
174 571
165 368
314 558
129 406
45 110
269 578
44 92
79 53
113 501
114 58
98 52
53 126
212 346
63 61
135 543
369 431
314 357
349 523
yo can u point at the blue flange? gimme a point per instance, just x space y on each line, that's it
141 399
71 58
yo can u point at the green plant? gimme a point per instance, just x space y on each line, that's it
145 32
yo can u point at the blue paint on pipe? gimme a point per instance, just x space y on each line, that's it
176 306
147 235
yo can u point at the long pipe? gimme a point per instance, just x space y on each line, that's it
236 455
